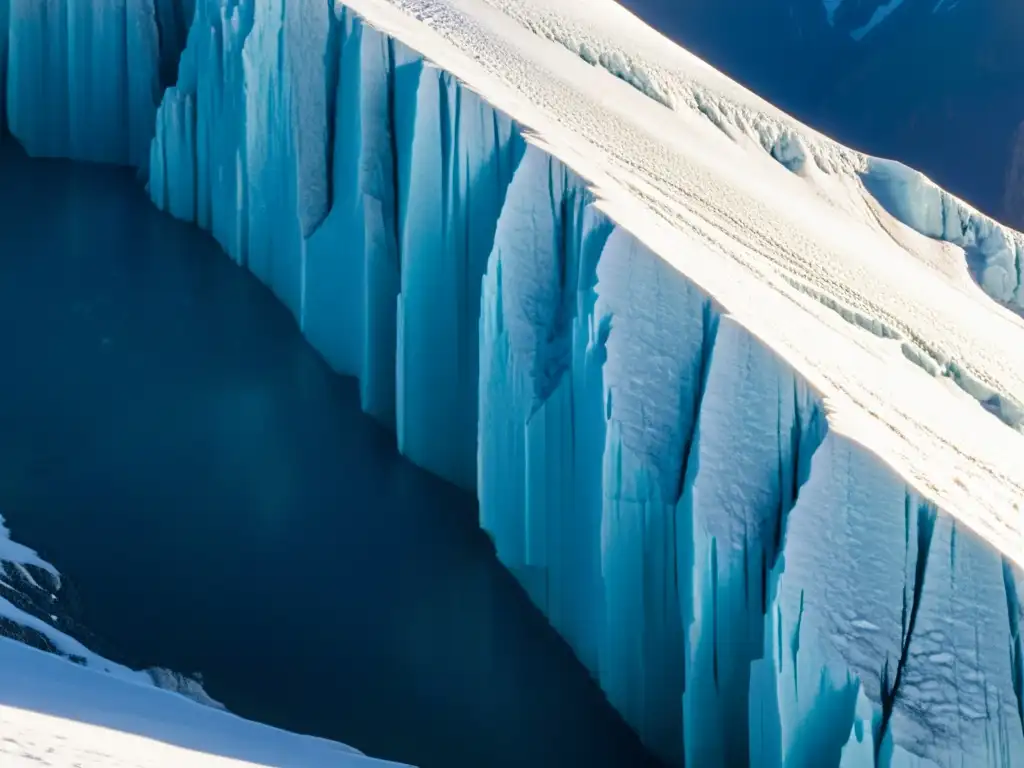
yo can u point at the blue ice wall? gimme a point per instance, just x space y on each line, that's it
361 185
916 662
660 482
83 79
5 15
747 587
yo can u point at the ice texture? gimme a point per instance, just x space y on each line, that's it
612 397
83 79
995 253
690 502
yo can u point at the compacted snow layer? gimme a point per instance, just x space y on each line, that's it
56 714
738 414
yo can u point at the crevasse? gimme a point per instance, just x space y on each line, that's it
748 587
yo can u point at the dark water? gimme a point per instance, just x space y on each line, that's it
221 504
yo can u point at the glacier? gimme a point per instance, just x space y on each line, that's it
725 389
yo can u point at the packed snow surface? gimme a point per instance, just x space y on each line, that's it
742 407
57 714
14 557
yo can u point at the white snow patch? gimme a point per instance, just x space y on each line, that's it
55 713
12 552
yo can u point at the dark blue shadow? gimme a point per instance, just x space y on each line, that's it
221 504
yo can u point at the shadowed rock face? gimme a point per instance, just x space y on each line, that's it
937 84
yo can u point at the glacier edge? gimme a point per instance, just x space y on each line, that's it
523 343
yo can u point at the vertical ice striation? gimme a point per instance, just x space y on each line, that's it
83 79
455 160
747 587
638 456
352 291
910 663
542 400
758 427
361 185
198 166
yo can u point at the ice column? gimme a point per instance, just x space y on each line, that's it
758 427
456 159
198 169
890 640
352 264
542 400
83 79
361 185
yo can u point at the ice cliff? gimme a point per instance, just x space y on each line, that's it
83 79
749 585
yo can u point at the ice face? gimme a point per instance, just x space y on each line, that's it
995 253
747 584
642 461
68 95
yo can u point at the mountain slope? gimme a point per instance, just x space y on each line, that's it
936 85
57 714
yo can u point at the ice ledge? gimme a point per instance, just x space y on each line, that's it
691 503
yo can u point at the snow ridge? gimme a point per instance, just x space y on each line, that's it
677 80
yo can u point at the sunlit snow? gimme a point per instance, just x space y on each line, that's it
57 714
743 407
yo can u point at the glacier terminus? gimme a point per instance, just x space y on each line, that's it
742 407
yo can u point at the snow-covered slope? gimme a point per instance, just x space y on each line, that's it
57 714
936 84
61 704
738 413
31 612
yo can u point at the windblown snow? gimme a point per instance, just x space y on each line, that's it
743 407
